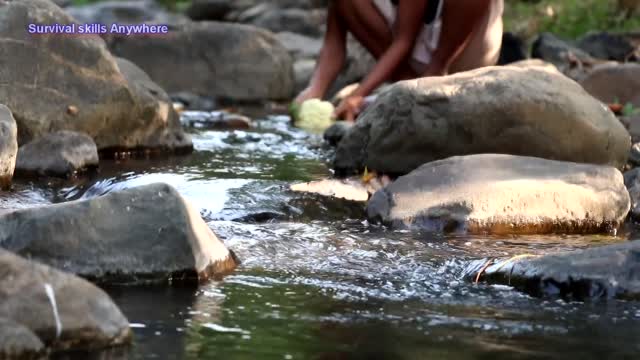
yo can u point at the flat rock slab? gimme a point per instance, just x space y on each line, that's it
528 111
606 272
144 234
341 189
64 311
60 153
504 194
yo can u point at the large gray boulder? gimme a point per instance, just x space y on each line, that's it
504 194
306 22
57 82
224 60
607 272
530 111
64 311
8 146
148 233
60 153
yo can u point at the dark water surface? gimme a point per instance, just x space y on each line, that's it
319 282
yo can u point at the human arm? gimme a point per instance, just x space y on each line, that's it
410 17
331 59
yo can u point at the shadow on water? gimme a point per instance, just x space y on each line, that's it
319 282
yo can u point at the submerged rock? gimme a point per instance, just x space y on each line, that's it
55 82
8 146
530 111
217 120
64 311
18 342
60 153
148 233
504 194
605 272
614 83
232 61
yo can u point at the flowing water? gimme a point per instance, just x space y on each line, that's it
318 282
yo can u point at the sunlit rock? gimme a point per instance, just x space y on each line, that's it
504 194
147 233
530 111
8 146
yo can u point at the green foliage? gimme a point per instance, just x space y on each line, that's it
566 18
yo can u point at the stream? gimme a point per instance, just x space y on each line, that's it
317 281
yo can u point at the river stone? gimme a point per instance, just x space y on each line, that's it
608 46
18 342
530 111
614 83
336 132
124 12
632 182
8 146
60 153
230 61
78 86
504 194
604 272
305 22
86 317
568 58
148 233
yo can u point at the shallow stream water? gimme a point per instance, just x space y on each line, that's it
318 282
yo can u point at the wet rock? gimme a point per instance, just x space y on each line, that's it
614 83
109 103
60 153
604 45
8 146
18 342
337 131
193 101
634 154
504 194
605 272
632 182
306 22
64 311
221 60
124 12
512 50
508 110
217 120
569 59
215 10
148 233
632 123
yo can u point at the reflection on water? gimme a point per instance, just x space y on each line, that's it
319 282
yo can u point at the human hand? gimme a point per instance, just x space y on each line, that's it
349 108
306 94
